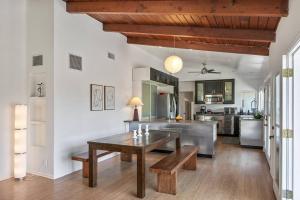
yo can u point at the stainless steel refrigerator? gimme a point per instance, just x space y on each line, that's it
166 106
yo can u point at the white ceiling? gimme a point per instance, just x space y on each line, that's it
250 66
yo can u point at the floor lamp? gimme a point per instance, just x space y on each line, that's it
20 142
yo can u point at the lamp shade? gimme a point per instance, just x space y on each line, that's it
20 166
20 116
20 141
173 64
135 101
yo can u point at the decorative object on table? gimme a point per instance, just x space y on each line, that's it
96 97
173 63
258 115
134 134
109 100
135 102
147 130
40 90
178 118
140 131
20 141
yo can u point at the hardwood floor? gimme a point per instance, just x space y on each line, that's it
234 174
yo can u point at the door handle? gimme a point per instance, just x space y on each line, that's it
271 137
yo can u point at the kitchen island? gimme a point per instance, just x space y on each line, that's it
202 134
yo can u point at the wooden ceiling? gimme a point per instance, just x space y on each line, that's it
235 26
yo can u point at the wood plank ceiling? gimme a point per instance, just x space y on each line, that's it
235 26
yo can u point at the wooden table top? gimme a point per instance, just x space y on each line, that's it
126 139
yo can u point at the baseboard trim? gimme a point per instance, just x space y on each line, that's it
45 175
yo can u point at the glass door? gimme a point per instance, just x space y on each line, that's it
296 126
267 121
277 135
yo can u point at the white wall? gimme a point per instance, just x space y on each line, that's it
242 84
12 75
73 121
40 42
287 34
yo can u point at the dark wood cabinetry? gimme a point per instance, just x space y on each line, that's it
199 92
209 87
228 92
161 77
214 87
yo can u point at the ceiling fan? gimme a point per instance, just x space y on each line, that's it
204 70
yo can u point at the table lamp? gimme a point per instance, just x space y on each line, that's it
135 101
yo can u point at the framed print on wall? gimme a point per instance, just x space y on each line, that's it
109 98
96 97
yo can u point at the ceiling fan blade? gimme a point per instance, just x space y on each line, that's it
214 72
211 70
194 72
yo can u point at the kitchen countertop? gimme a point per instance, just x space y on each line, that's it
177 122
248 119
202 134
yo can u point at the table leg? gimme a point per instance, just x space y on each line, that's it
141 174
92 167
178 143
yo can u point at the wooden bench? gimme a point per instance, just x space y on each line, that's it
167 168
84 158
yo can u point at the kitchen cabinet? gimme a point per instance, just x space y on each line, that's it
224 87
161 77
200 93
228 93
213 87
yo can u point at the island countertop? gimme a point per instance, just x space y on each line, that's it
212 122
202 134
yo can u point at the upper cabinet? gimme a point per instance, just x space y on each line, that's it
211 87
228 91
214 87
199 92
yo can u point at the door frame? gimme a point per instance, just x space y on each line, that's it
268 118
276 187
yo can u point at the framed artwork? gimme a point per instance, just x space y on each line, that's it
109 99
96 97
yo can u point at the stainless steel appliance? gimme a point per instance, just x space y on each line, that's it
166 106
251 132
229 113
229 110
214 99
203 109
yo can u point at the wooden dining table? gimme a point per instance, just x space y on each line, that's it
125 144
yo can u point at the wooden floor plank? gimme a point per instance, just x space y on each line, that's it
234 174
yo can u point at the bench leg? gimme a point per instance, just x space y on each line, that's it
126 157
166 183
191 164
85 169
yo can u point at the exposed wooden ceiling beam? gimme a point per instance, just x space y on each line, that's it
230 48
193 32
275 8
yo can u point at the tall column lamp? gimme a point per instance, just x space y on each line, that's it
20 141
135 102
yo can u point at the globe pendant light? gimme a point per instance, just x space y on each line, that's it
173 64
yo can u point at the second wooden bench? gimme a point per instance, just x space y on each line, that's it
167 168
